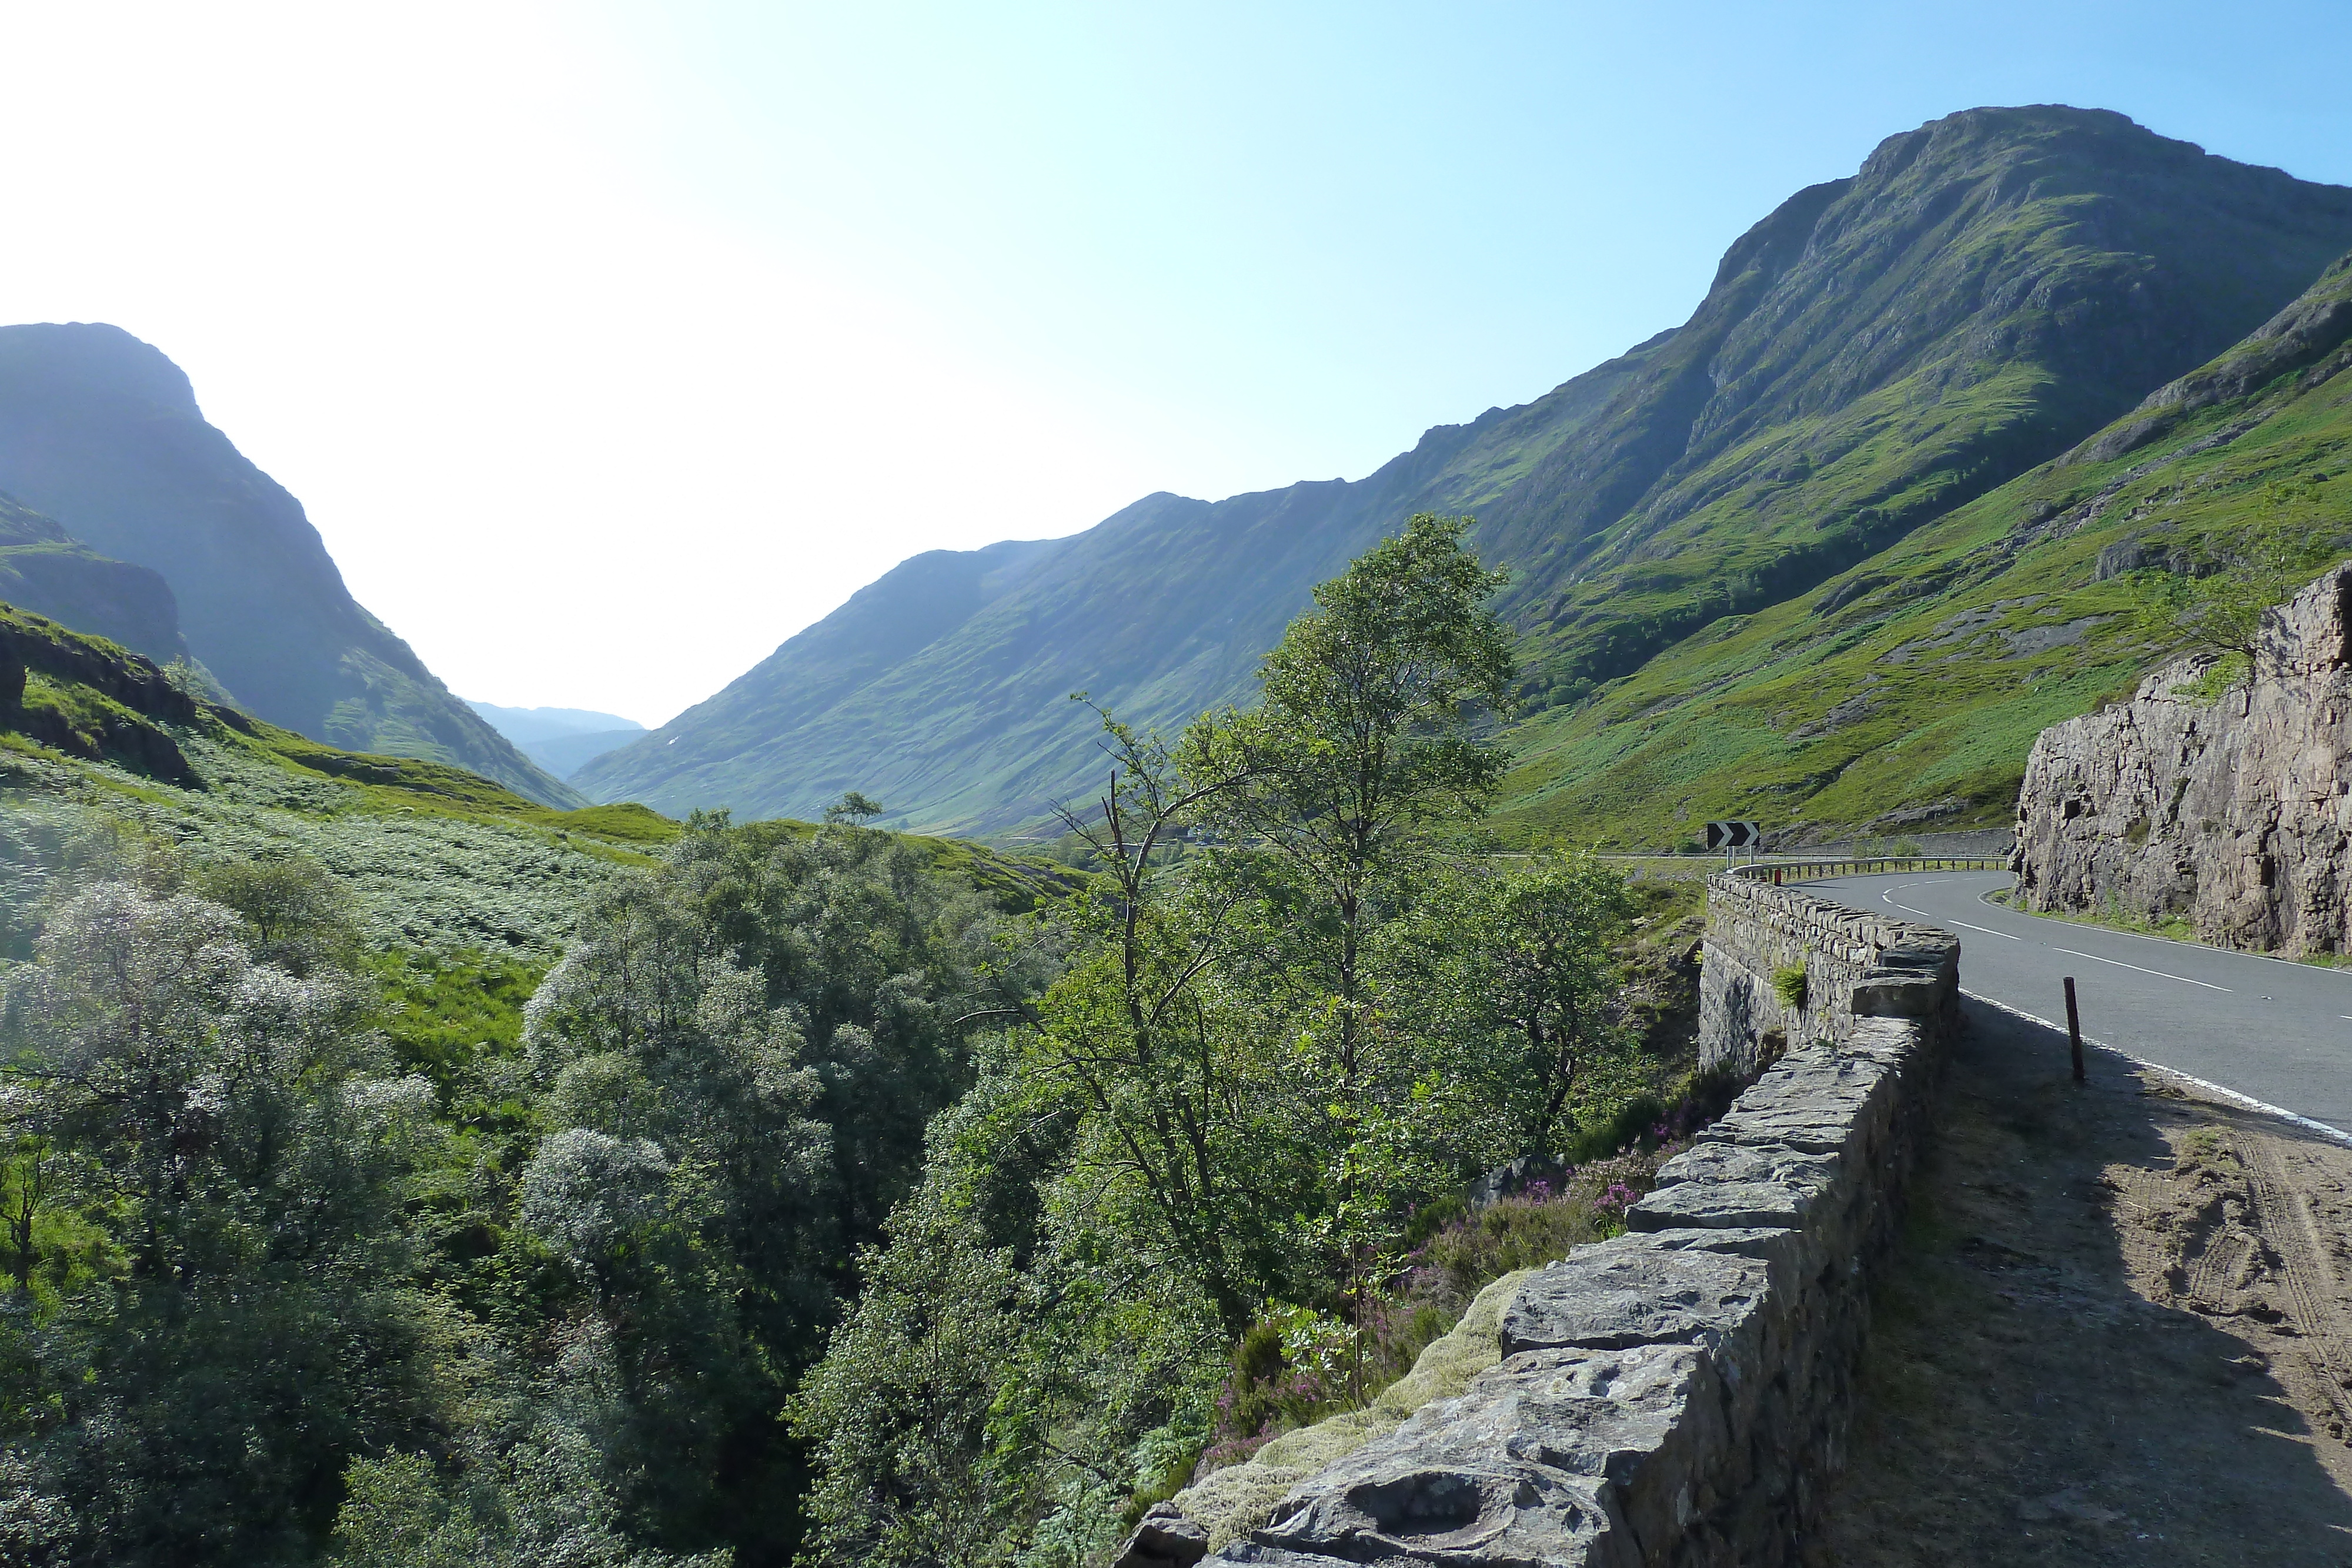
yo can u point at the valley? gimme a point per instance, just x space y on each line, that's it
1208 1039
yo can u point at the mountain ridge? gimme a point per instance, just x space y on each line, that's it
102 433
1907 692
46 570
1880 349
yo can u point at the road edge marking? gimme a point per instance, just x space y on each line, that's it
2245 1102
2159 973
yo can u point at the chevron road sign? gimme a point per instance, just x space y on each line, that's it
1734 836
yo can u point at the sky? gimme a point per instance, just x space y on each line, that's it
608 345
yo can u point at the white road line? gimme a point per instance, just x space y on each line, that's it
1986 929
1888 898
2119 964
2336 1134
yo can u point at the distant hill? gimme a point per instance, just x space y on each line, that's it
48 572
91 733
525 723
1881 351
102 432
564 754
561 739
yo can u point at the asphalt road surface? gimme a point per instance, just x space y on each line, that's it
2274 1030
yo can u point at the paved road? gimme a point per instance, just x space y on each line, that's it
2280 1032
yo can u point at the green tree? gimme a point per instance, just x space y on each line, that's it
299 916
2220 610
199 1400
1510 970
1372 732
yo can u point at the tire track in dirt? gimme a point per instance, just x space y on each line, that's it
2118 1331
2315 1306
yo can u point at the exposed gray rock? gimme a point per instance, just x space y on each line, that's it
1632 1291
1557 1457
1165 1539
1717 1187
2235 813
1820 1101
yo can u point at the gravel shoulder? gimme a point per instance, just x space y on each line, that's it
2118 1329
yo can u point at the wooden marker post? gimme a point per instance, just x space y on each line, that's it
2074 1028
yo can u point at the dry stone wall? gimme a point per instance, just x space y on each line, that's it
1857 966
1677 1395
2234 813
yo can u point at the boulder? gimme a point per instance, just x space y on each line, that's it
1165 1539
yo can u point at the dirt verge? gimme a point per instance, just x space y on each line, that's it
2117 1329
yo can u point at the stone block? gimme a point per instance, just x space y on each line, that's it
1634 1291
1165 1539
1819 1101
1899 997
1717 1187
1553 1457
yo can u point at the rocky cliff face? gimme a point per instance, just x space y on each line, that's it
46 570
2235 814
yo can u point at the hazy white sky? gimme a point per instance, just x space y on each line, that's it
609 346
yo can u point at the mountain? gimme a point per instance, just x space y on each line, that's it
527 724
1907 691
1882 350
561 739
102 432
46 570
564 754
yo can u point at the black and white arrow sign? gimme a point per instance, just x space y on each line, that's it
1734 835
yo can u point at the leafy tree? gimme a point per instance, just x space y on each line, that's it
2220 610
1367 738
1233 1092
1512 971
854 807
256 1330
299 915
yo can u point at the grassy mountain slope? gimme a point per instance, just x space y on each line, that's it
1984 292
44 570
102 432
1906 691
95 739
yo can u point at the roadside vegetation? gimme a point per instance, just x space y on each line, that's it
401 1173
1208 1185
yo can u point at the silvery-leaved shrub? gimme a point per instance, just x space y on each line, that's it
586 1193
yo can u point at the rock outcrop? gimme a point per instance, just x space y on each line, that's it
2234 813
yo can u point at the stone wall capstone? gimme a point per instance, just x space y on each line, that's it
1677 1395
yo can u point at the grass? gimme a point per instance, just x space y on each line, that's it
2111 917
1906 691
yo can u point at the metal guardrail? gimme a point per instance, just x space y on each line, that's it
1778 872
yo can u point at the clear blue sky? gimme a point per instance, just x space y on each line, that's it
609 346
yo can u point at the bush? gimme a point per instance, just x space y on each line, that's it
1789 986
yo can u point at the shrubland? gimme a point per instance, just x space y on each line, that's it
403 1173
